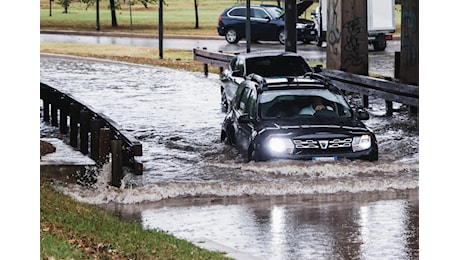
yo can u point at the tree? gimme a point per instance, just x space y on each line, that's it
115 4
65 4
196 15
88 3
113 12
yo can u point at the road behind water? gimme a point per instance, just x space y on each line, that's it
198 189
380 62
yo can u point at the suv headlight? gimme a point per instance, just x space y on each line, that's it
280 145
300 25
361 143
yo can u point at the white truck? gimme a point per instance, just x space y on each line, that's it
380 22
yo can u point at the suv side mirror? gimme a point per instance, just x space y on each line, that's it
362 115
237 73
318 68
244 119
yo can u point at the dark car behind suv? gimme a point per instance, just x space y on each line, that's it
267 24
264 63
304 118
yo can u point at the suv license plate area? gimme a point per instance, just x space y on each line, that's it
329 158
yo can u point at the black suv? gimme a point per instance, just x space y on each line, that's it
305 118
267 24
264 63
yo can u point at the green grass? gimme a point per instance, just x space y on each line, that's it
73 230
178 16
143 20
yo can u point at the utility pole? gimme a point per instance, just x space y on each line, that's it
248 26
97 15
160 29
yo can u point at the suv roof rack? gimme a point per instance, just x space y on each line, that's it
262 84
319 77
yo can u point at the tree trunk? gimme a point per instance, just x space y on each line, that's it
114 14
196 15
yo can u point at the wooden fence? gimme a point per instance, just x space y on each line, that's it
91 132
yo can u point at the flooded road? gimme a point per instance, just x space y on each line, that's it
198 189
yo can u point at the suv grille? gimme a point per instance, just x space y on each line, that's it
323 144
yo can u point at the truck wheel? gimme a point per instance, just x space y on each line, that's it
379 45
319 40
231 36
319 43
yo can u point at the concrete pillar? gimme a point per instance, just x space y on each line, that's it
409 59
347 47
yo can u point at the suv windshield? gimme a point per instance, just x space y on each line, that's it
294 103
277 66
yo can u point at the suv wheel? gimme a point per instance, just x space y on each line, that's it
254 155
231 36
223 102
281 37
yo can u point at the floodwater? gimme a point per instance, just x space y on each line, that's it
196 188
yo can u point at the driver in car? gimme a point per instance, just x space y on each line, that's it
315 105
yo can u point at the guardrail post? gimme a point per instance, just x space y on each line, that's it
389 107
84 130
95 125
73 125
365 101
54 121
104 144
46 110
117 163
63 113
205 66
206 70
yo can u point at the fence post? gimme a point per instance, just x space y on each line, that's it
84 130
117 163
389 107
46 110
104 144
95 125
205 66
365 101
63 113
54 115
73 125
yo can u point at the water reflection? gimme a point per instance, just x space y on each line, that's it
343 226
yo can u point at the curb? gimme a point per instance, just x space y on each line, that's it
127 34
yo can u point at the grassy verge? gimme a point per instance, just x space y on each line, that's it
74 230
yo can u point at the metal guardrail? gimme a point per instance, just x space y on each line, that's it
369 86
365 85
91 132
